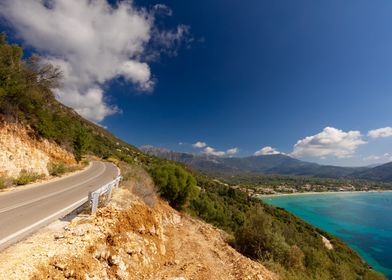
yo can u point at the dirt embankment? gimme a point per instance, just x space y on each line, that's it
129 240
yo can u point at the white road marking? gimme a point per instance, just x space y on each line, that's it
64 210
50 195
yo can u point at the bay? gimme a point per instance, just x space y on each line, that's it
363 220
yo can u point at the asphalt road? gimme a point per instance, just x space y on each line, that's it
26 210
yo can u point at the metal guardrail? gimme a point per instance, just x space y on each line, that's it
108 188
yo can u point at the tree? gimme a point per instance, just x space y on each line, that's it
260 238
81 143
175 184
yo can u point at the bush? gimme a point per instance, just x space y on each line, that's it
260 238
57 168
26 178
5 181
175 184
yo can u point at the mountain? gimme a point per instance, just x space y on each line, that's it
265 164
379 173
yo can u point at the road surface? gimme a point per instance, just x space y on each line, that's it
26 210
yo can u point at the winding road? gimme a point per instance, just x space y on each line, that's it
25 210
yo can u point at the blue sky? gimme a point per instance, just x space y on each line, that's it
233 75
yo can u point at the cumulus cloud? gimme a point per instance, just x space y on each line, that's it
232 151
329 142
380 132
212 152
267 151
199 144
379 158
92 42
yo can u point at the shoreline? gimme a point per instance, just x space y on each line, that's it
315 193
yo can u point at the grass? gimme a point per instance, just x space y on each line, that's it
26 177
59 168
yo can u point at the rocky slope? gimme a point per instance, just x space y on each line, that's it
21 150
129 240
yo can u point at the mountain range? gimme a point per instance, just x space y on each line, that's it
271 164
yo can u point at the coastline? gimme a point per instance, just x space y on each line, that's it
341 226
315 193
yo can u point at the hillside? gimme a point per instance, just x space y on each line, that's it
379 173
129 240
267 164
26 100
270 236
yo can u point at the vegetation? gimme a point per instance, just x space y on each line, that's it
286 244
2 183
59 168
283 242
26 97
27 178
81 143
267 184
175 184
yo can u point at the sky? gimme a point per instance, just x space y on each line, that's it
310 79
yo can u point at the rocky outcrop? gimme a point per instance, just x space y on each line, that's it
21 150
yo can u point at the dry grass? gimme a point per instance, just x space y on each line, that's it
139 182
5 181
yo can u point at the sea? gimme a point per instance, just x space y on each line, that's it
363 220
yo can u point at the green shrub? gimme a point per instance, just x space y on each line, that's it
26 178
81 143
175 184
57 168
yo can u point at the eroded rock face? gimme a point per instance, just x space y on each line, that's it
20 151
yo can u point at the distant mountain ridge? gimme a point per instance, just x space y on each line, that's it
271 164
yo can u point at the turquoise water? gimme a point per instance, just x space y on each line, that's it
362 220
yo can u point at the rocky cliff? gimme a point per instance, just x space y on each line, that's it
21 150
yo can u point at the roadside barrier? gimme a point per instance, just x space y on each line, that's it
105 189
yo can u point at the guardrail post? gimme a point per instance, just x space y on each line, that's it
94 201
109 193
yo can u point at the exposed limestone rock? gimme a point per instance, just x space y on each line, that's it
19 150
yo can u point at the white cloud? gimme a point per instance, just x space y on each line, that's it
380 132
329 142
232 151
267 151
381 158
213 152
372 158
92 42
163 9
199 144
